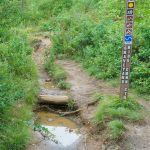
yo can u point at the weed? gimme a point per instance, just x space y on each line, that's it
112 112
57 73
18 78
45 132
116 129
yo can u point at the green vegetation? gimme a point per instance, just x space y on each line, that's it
72 104
57 73
91 31
44 131
18 78
98 96
116 128
112 109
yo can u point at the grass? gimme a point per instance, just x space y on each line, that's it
57 74
18 78
14 130
112 109
116 129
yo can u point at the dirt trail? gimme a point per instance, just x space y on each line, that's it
83 87
41 44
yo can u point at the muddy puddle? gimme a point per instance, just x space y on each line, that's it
65 131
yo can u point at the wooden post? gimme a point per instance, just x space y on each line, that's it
127 48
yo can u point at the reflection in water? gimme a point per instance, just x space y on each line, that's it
65 131
63 135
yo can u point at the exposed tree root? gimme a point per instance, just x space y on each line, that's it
70 112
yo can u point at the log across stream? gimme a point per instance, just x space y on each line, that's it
65 131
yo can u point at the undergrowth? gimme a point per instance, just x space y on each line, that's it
116 128
18 78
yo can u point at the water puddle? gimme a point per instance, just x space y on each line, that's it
65 131
48 85
51 119
48 88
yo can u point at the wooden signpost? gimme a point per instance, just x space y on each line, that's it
127 48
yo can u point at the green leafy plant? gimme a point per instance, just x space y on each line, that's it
98 96
57 73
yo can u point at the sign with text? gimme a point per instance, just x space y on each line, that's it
127 48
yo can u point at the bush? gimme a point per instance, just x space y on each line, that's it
92 31
18 78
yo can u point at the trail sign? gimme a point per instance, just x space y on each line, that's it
128 38
127 48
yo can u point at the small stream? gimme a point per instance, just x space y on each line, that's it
65 131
